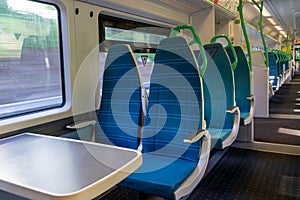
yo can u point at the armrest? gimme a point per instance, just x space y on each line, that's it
83 124
195 136
232 109
271 77
144 98
251 97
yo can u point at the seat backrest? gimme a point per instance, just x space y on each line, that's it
241 79
175 102
279 63
120 113
272 65
219 91
258 59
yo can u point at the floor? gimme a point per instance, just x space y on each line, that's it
242 174
287 99
283 126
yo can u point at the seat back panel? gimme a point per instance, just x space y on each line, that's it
175 101
120 110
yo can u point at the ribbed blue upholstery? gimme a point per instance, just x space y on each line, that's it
242 82
120 113
175 111
219 94
287 65
219 60
163 182
273 71
120 110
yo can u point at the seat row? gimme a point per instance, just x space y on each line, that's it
279 68
191 107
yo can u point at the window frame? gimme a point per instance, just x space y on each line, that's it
126 24
63 36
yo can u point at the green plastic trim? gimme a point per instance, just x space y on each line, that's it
260 7
229 45
197 40
277 56
240 10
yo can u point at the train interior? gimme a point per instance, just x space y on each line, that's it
208 91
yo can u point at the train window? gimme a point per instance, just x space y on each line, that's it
142 37
297 54
31 69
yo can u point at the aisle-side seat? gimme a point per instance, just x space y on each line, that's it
279 67
122 107
244 98
221 113
175 143
273 71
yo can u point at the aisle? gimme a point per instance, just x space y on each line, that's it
287 99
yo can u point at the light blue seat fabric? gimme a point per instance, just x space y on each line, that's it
175 111
219 95
219 135
120 115
242 86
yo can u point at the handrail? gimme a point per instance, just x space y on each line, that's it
240 9
197 40
277 55
261 7
229 45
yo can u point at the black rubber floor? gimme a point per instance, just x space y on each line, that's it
286 99
268 130
242 175
246 174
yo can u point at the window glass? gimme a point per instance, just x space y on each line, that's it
143 39
118 34
30 58
297 54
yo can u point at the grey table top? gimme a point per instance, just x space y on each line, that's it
46 167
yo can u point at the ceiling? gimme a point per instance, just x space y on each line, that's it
287 13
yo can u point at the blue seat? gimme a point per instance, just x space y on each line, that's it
279 67
120 116
221 113
273 71
244 98
175 143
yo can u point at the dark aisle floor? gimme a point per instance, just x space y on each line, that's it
287 99
247 174
242 175
273 130
285 102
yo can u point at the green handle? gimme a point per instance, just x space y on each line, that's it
197 40
277 56
229 45
240 9
280 57
260 7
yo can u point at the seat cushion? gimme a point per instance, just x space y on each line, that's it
160 182
243 116
218 136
